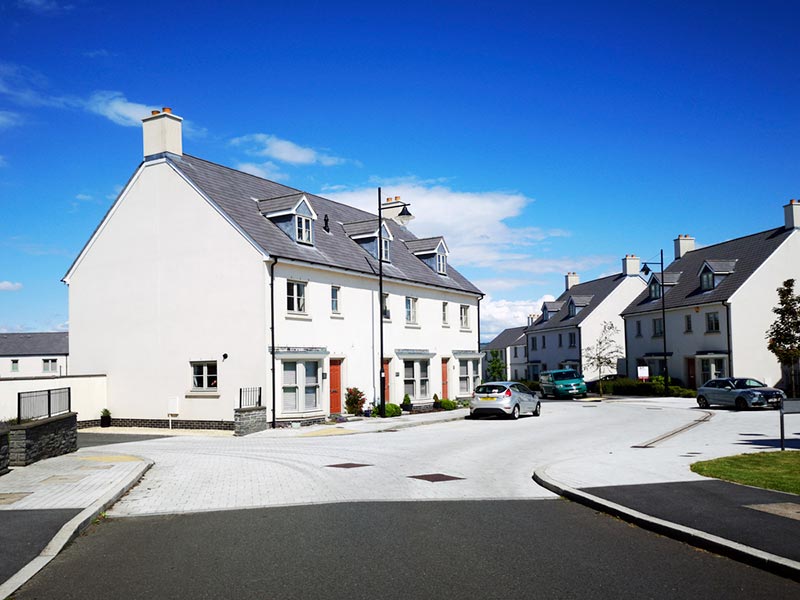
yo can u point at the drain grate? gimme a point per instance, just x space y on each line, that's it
347 466
435 477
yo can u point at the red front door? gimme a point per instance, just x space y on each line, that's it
386 380
444 378
691 372
336 386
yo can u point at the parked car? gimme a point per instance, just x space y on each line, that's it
739 392
508 398
562 383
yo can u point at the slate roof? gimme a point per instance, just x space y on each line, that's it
51 343
513 336
368 227
581 300
424 246
279 204
233 191
596 290
749 253
552 306
721 266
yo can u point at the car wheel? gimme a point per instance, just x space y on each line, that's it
515 412
741 404
538 410
702 402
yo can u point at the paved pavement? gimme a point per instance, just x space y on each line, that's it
602 454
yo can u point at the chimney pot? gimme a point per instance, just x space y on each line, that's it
397 198
154 112
167 110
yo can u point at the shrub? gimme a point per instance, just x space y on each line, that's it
436 402
448 404
393 410
354 401
406 400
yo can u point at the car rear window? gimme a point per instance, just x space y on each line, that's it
562 375
490 389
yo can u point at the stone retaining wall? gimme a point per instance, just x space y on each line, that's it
43 438
162 424
249 420
4 452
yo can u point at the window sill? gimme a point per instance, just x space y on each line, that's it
713 332
298 316
413 326
201 394
338 316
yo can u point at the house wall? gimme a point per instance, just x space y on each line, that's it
32 366
353 334
87 396
167 281
751 313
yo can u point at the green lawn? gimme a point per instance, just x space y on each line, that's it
771 470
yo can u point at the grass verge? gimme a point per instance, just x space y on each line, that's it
771 470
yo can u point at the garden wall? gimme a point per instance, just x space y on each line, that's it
42 438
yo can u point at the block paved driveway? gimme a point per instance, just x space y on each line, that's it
486 459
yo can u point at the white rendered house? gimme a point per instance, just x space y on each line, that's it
718 303
202 280
574 321
40 354
510 343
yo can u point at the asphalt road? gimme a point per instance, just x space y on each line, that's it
471 549
88 440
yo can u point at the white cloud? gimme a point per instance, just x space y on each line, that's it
9 286
267 170
118 109
480 236
26 87
497 315
270 146
83 197
45 7
9 119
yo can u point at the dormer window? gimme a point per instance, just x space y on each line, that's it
375 241
304 230
707 280
441 263
386 255
714 271
292 214
573 310
655 290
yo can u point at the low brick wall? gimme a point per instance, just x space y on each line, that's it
249 420
43 438
161 424
4 452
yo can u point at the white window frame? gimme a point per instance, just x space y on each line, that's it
463 312
417 382
658 327
296 297
638 329
303 230
712 322
444 313
687 324
204 379
573 339
386 313
468 375
15 365
441 263
49 365
655 290
386 250
707 281
301 386
411 310
336 296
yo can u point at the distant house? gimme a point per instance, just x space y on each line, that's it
34 354
718 302
573 322
203 281
510 343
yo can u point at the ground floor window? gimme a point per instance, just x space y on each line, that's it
416 378
468 375
300 390
204 376
533 372
712 368
656 366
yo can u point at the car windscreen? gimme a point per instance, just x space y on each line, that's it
490 389
743 384
562 375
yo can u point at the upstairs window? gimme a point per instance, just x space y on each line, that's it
444 313
544 343
304 230
386 313
687 324
707 280
441 263
560 340
573 338
655 290
386 250
464 312
49 365
533 343
411 310
295 297
15 365
638 329
335 290
572 310
712 322
658 327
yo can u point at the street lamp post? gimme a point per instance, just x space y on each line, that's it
403 217
646 270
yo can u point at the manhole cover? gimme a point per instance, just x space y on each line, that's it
435 477
347 466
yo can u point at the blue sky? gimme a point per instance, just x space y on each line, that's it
539 138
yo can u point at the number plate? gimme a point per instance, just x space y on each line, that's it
488 399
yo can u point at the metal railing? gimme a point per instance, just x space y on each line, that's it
249 396
41 404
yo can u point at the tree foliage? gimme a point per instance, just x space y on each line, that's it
495 368
603 355
783 336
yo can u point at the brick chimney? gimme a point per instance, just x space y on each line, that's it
571 279
630 265
162 133
683 244
791 215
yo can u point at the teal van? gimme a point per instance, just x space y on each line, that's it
562 383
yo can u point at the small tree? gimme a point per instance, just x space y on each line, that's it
783 336
354 401
495 368
604 354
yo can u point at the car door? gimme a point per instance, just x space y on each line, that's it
530 398
725 392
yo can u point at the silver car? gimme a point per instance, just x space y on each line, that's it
504 397
739 392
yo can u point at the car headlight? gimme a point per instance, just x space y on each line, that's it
753 394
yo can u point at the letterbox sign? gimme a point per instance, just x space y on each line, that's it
643 373
788 407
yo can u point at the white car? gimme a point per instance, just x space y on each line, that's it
507 398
